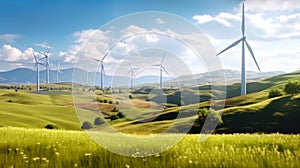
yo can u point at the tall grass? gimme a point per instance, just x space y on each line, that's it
20 147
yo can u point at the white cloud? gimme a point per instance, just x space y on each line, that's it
9 53
8 37
222 18
130 32
44 45
151 37
70 55
272 5
159 21
201 19
91 43
264 24
90 35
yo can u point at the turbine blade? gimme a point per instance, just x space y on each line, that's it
106 54
42 58
251 52
34 57
95 59
43 53
130 66
243 20
163 58
42 64
232 45
166 71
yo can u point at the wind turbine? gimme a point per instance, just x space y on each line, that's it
57 72
37 63
102 71
47 64
131 72
162 68
244 41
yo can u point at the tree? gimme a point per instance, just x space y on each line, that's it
292 87
181 103
98 121
114 117
204 112
121 115
275 93
86 125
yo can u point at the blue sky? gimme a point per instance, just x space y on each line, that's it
273 28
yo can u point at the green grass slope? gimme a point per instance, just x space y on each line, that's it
254 112
23 109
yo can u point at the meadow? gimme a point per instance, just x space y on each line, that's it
21 147
24 114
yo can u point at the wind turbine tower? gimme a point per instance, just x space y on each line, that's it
46 55
37 63
162 68
102 71
244 41
131 72
57 72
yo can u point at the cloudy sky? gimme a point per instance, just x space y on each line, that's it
71 29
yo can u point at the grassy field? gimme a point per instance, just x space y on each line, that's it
23 109
20 147
25 144
254 112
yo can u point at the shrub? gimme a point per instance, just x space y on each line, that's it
292 87
98 121
121 115
114 117
117 103
275 93
50 126
110 102
130 97
204 112
86 125
114 110
104 101
181 103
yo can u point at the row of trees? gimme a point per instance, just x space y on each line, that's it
100 121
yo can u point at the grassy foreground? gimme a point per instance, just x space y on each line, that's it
20 147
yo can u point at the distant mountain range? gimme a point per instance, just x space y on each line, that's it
28 76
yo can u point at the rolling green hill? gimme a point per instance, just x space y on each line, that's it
23 109
254 112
